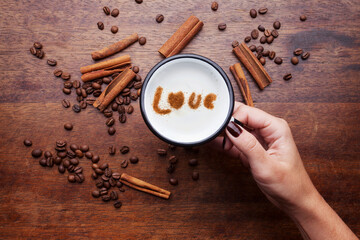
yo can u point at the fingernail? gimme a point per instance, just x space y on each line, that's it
249 129
223 143
234 129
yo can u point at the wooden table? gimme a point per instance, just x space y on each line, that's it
321 104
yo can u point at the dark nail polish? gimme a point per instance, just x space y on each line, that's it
224 141
247 128
234 129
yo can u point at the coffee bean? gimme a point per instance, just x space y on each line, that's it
263 10
97 93
96 85
84 93
39 53
134 160
111 131
214 6
99 183
270 39
114 106
305 55
161 152
263 39
261 28
58 72
267 33
104 166
259 49
94 175
119 184
171 168
65 76
117 204
159 18
137 78
78 91
287 77
173 181
27 142
110 121
259 55
83 104
106 80
115 75
74 147
235 44
122 118
36 153
278 60
114 195
74 161
266 53
70 154
115 12
254 34
78 170
62 154
277 25
303 18
95 194
112 150
51 62
247 39
139 1
253 13
134 96
47 154
252 48
71 178
65 103
106 10
100 25
61 168
33 51
173 160
222 26
76 108
193 162
107 113
138 85
95 159
43 162
89 155
275 33
108 173
106 198
57 160
262 61
66 163
142 40
50 162
124 163
68 126
195 176
79 153
37 45
272 55
124 149
298 51
294 60
67 91
114 29
130 109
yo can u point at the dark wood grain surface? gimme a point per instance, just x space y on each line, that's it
321 104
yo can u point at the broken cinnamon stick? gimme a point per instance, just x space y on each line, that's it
253 65
115 48
113 89
100 73
144 186
181 37
109 64
239 76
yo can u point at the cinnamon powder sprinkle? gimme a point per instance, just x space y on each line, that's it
156 102
209 99
176 100
191 101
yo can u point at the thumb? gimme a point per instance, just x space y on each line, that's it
247 144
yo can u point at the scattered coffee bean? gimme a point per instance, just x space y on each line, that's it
171 168
266 53
89 155
119 184
263 10
114 195
36 153
277 25
142 40
68 126
79 153
139 1
27 142
71 178
106 198
173 160
287 77
74 161
106 10
253 13
252 48
263 39
61 168
159 18
108 173
47 154
112 150
261 28
298 51
195 176
100 25
68 84
107 113
115 12
57 160
76 108
50 162
95 159
58 73
214 6
259 55
117 204
74 147
136 69
173 181
124 163
255 34
66 163
39 53
303 18
259 49
305 55
37 45
65 76
275 33
267 33
161 152
193 162
67 91
83 104
137 85
111 131
51 62
294 60
33 51
124 149
272 55
262 61
278 60
138 78
130 109
134 160
247 39
43 162
114 29
222 26
95 194
122 118
106 80
270 39
235 44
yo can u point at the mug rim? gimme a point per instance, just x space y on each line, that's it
224 77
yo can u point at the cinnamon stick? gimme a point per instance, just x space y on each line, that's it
181 37
253 65
100 73
109 64
239 76
144 186
113 89
115 48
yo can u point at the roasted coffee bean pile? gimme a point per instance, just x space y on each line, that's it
37 50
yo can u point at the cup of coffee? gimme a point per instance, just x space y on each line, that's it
186 100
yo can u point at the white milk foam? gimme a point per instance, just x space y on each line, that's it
187 125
